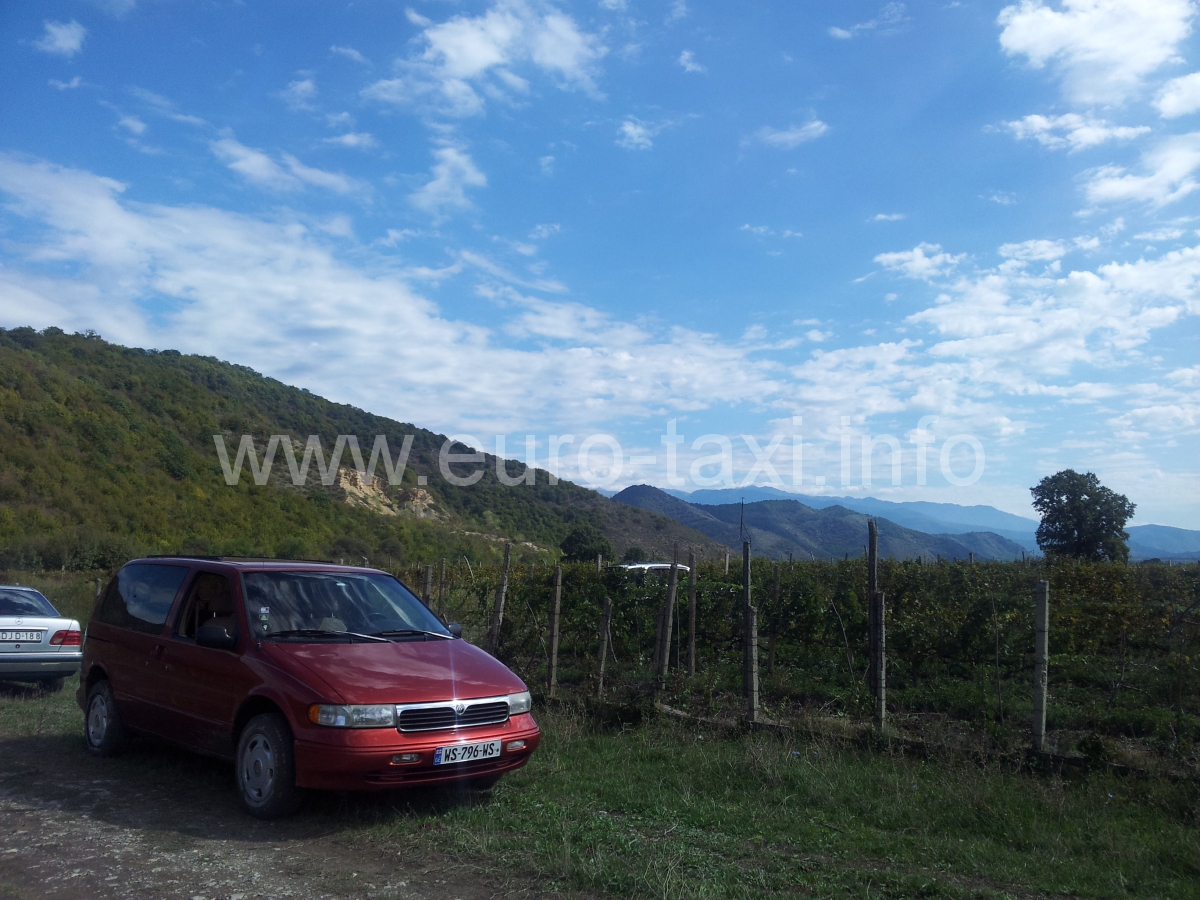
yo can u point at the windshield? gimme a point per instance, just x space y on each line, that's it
24 603
304 604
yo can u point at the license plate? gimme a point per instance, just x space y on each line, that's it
460 753
32 637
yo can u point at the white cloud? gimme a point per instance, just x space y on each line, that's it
886 217
760 230
1102 49
790 138
300 93
687 59
546 164
613 5
259 169
133 124
468 54
679 10
1036 250
350 53
66 85
61 38
1170 167
889 18
359 140
636 135
1162 234
925 261
451 175
541 232
1071 131
1179 96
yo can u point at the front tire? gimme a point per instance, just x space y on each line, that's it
266 768
103 729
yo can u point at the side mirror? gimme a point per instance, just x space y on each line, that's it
215 637
455 629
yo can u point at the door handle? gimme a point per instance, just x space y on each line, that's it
158 651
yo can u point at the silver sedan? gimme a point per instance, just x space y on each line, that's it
36 643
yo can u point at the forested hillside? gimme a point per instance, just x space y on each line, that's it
107 451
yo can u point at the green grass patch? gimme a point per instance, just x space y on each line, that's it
669 810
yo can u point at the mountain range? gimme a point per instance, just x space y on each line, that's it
783 528
1145 541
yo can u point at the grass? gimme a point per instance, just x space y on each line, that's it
667 810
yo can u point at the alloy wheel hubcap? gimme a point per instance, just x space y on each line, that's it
258 768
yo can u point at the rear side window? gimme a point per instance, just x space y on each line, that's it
141 596
24 603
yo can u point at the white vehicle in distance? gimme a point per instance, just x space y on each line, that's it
36 643
644 568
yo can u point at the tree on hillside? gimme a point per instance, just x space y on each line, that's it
1081 518
585 543
634 554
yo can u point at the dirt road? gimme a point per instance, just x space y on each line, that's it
161 823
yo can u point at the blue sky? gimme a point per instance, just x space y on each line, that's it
813 220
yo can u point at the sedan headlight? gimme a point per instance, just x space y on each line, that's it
519 703
374 716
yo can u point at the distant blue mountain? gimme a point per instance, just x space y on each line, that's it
1145 541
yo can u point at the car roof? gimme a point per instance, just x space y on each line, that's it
21 587
255 564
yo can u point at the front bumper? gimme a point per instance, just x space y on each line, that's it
23 666
328 766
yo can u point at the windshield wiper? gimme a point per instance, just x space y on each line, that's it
405 632
320 632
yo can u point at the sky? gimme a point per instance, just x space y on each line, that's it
932 251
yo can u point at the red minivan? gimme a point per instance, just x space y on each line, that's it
305 675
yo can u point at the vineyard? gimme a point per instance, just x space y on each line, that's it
1124 644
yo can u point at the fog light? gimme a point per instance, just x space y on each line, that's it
401 758
515 745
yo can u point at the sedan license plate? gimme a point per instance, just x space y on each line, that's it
460 753
31 637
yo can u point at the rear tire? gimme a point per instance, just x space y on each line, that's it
103 729
266 768
51 685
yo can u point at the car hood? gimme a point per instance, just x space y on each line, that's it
402 672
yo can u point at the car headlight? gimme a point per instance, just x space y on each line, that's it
519 703
374 716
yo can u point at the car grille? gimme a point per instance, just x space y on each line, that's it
436 718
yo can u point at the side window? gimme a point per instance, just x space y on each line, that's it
140 597
209 602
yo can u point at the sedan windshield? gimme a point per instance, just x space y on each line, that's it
314 606
14 602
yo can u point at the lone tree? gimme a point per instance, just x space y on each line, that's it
585 543
1081 517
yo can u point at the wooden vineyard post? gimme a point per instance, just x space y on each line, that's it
1041 662
442 589
877 628
726 563
775 616
97 588
691 613
599 562
427 587
749 640
666 621
498 609
555 611
605 624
